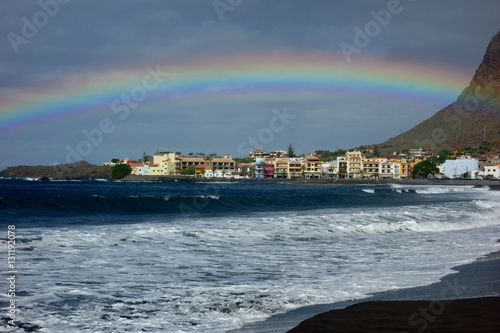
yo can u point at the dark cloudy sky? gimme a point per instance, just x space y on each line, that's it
79 44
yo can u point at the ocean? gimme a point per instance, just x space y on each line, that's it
97 256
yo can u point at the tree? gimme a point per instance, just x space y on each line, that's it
485 147
191 170
303 169
426 167
145 158
291 152
115 160
443 155
376 151
119 171
263 165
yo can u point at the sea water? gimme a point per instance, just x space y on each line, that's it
208 257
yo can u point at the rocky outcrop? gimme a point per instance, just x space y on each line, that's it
79 171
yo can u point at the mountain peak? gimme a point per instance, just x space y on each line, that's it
485 85
474 117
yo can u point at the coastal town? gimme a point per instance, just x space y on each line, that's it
349 164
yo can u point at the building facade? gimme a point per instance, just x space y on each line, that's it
459 167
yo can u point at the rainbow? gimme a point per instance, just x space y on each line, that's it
235 79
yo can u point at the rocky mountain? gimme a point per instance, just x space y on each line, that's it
468 121
79 170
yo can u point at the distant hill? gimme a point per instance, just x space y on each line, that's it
78 170
474 116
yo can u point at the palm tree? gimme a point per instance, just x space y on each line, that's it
263 165
303 168
252 170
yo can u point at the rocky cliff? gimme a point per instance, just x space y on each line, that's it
467 122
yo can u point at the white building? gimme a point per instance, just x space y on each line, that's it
416 151
490 170
218 173
385 170
143 170
396 170
457 168
329 168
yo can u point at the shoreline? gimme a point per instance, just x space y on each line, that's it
493 184
478 280
453 182
475 182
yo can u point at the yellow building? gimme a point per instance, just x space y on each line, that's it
411 164
313 167
354 163
200 169
165 167
295 169
159 157
403 169
281 169
371 168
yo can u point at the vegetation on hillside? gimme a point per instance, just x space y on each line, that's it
326 155
246 160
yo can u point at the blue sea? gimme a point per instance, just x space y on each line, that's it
97 256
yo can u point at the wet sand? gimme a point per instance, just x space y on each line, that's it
465 315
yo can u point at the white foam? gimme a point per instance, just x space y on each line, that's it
439 189
215 274
369 190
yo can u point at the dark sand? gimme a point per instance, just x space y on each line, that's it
470 304
465 315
